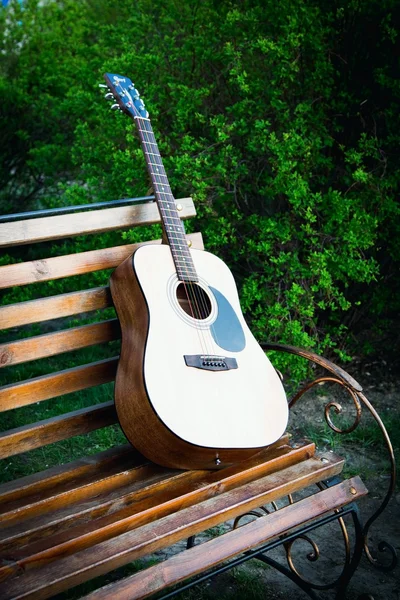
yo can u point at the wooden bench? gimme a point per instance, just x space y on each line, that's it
82 519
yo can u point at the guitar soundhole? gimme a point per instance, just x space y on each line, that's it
194 300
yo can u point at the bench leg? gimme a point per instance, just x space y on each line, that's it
352 560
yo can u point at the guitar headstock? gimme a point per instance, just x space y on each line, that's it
127 97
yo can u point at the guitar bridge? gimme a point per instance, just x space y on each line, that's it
210 362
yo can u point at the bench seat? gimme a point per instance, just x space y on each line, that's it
84 519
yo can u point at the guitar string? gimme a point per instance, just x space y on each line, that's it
197 299
191 296
191 289
180 259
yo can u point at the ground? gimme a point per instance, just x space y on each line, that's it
365 454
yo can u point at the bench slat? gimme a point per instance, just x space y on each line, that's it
57 384
42 229
214 552
62 508
41 485
15 494
57 267
108 514
54 307
55 429
49 344
108 555
76 527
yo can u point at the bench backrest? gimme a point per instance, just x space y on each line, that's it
47 322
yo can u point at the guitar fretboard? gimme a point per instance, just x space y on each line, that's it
172 223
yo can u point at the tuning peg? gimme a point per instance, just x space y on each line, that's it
109 96
116 107
103 85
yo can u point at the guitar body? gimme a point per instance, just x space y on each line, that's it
193 387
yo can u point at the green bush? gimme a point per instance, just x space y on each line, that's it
280 119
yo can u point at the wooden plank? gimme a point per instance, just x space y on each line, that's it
54 307
190 486
68 531
99 501
23 491
214 552
82 502
42 229
55 429
73 264
57 384
57 342
113 553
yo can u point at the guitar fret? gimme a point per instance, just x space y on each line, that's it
153 154
174 244
187 272
171 225
155 164
187 255
165 206
185 264
172 222
177 240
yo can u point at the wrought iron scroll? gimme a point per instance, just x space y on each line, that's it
355 390
351 558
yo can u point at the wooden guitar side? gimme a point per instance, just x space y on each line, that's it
136 415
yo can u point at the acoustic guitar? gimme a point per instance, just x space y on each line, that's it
193 387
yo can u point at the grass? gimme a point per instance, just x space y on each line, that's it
65 450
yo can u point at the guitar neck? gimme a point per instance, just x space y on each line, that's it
171 221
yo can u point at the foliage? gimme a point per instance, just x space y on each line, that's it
280 120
